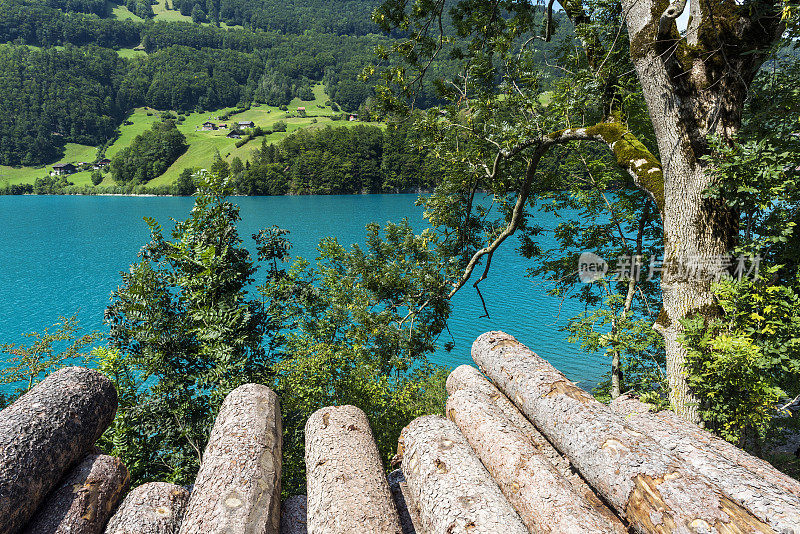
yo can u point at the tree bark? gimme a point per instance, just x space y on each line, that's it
84 499
469 378
544 499
152 508
347 488
694 86
45 433
452 490
767 493
294 515
237 489
406 509
653 490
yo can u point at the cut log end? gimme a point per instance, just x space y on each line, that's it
152 508
347 488
238 485
450 487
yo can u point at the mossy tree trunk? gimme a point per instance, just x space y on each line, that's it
695 86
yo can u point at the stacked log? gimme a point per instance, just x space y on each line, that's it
544 499
406 509
767 493
347 489
237 489
84 499
294 514
451 489
152 508
653 490
45 433
468 378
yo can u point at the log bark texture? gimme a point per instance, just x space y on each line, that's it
84 500
653 490
767 493
406 509
347 488
468 378
294 514
237 489
451 488
544 499
152 508
45 433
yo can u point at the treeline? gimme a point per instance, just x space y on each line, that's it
335 160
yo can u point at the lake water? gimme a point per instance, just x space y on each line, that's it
63 254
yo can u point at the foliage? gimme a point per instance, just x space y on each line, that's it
339 160
53 97
187 333
727 373
350 336
149 154
184 331
48 351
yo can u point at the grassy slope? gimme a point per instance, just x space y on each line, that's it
203 146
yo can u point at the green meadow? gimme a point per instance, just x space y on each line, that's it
203 145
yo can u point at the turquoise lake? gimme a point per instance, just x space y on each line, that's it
61 255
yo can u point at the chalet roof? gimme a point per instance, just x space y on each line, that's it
63 165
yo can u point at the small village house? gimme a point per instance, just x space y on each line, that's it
353 117
246 124
208 126
234 134
63 169
102 164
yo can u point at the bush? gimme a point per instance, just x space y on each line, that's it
97 177
279 126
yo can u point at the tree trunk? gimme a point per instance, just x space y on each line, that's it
694 86
653 490
152 508
294 515
45 433
452 490
406 509
347 488
543 498
84 500
469 378
238 487
767 493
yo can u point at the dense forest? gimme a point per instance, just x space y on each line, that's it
363 159
63 80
